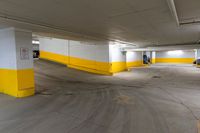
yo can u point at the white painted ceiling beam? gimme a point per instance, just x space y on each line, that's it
163 48
173 10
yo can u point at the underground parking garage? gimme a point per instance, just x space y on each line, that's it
94 66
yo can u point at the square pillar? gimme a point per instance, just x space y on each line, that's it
197 56
16 63
153 57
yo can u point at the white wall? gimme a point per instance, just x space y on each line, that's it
134 56
53 45
78 49
89 51
102 53
147 53
7 49
11 42
176 54
23 39
94 50
116 55
153 55
197 52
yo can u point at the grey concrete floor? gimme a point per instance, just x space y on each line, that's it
156 99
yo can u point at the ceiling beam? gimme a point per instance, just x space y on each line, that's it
164 48
173 10
190 22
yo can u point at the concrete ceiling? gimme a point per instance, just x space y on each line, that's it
142 22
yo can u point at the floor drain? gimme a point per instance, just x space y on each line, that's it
156 77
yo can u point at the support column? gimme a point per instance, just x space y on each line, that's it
16 63
153 57
198 57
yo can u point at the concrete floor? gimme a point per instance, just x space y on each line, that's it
156 99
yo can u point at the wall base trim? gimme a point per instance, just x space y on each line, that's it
118 67
135 64
90 70
54 57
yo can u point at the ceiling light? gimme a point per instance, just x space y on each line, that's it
35 42
175 52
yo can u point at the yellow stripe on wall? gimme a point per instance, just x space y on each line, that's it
82 62
17 83
90 66
90 70
175 60
135 64
97 67
54 57
78 63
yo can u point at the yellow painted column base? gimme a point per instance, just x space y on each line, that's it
153 61
17 83
22 93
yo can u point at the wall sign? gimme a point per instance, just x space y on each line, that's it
24 53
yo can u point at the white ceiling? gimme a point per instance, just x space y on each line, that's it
143 22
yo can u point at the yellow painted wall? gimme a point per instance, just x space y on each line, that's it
54 57
78 63
175 60
97 67
118 67
17 83
90 66
135 64
104 68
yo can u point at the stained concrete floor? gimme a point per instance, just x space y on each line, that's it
156 99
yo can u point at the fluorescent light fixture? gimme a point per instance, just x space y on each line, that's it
175 52
35 42
124 42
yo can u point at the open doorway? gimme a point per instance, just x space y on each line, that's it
36 51
147 57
